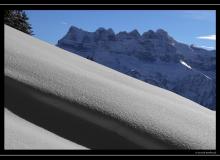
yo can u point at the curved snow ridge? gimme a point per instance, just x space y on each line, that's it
21 134
56 84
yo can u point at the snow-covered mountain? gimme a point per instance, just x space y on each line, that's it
153 57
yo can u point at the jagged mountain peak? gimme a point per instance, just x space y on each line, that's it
159 34
74 29
122 33
149 35
162 32
135 33
102 29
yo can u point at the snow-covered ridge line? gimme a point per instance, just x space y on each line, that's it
51 87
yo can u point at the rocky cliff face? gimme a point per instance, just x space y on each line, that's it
153 57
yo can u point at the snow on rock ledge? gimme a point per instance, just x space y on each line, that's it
95 106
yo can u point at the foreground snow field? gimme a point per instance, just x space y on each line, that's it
95 106
20 134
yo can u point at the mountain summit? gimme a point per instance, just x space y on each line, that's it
154 57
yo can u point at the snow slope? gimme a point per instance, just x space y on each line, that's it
21 134
95 106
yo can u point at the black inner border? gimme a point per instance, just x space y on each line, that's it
108 7
111 2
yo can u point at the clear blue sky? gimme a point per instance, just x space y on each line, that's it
196 27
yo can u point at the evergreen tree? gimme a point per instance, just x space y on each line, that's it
18 20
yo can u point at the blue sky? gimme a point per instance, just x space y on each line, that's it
196 27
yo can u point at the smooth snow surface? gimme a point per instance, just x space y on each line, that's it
68 94
20 134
